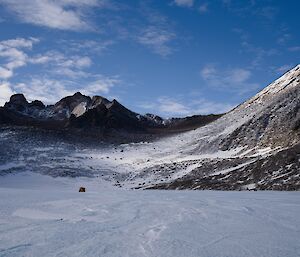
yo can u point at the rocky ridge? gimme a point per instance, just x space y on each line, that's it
95 115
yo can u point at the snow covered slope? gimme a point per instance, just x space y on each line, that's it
43 216
264 125
269 119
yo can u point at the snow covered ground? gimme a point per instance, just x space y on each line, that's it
45 216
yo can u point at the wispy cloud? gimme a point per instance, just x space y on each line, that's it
157 39
232 79
13 55
294 49
62 60
264 9
184 3
171 107
259 54
284 68
44 89
6 91
142 23
72 66
59 74
102 85
204 106
51 90
268 12
19 42
65 14
203 8
284 38
5 73
93 47
156 32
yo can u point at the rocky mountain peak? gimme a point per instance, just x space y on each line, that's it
77 94
64 108
96 100
37 104
17 102
18 98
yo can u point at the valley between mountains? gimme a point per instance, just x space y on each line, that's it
255 146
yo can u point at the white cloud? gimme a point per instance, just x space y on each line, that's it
16 58
102 85
156 32
40 59
284 68
64 14
46 90
81 3
184 3
77 62
204 106
234 79
170 107
19 42
51 90
208 72
5 73
6 92
238 75
55 63
70 73
83 62
157 39
12 52
93 46
68 65
62 60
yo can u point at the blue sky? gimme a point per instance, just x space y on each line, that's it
172 57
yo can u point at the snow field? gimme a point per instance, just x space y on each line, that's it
44 216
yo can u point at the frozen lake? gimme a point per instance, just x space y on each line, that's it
44 216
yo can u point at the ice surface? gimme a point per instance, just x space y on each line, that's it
44 216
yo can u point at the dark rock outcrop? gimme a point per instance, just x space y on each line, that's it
17 103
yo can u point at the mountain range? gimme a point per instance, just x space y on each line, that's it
255 146
93 115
